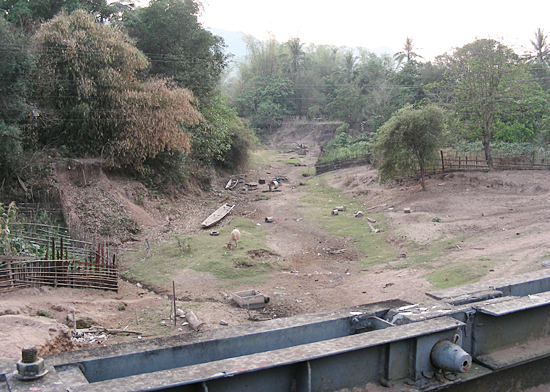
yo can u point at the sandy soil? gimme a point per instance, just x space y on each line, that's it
500 219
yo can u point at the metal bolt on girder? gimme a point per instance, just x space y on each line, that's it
30 367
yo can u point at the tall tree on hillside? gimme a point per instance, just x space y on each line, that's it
178 47
29 14
295 57
15 113
540 54
348 69
409 140
263 58
87 87
538 59
487 81
407 53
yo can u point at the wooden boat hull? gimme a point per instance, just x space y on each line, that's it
217 215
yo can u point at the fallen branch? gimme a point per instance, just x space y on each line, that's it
373 207
373 229
371 220
96 329
194 322
335 252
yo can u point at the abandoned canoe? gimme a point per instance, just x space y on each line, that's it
217 215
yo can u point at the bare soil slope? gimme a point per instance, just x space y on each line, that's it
496 224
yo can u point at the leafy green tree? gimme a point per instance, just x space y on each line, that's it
409 141
376 78
409 82
154 114
178 47
267 102
86 74
15 113
263 58
347 105
487 81
82 67
30 14
527 122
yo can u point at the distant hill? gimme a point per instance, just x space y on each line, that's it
237 47
233 40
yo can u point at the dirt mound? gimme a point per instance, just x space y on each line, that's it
46 334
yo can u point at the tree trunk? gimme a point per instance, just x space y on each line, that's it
193 321
486 134
487 150
422 181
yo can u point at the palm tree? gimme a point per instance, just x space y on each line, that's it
407 53
541 50
296 57
348 71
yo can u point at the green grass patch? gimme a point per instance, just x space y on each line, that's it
290 161
306 172
261 158
458 274
204 253
320 201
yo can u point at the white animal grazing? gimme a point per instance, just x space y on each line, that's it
235 235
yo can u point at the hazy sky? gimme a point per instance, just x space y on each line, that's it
435 26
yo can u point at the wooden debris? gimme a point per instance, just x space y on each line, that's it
147 249
373 207
371 220
373 229
194 322
98 329
336 252
269 219
407 210
334 212
340 208
358 214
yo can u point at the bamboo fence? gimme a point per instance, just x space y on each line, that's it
450 162
97 271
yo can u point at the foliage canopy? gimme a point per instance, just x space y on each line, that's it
409 141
